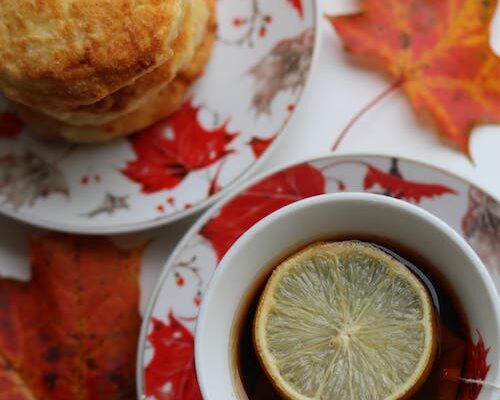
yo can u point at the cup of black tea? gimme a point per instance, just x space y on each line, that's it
345 296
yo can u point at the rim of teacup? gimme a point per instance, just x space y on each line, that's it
278 215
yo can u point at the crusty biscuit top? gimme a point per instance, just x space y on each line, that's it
78 51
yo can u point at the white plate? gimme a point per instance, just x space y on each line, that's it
230 122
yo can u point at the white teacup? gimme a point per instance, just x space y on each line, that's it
330 216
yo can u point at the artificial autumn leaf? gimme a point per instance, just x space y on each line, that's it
438 51
25 178
476 367
297 4
400 188
284 68
260 200
259 145
71 332
169 150
10 125
171 374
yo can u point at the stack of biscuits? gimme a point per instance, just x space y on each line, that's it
92 70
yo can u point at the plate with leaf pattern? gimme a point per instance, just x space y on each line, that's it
165 366
229 123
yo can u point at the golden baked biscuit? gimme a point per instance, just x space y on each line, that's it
160 106
133 96
60 54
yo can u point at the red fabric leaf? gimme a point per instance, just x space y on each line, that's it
476 367
259 146
72 331
260 200
171 374
401 188
10 125
297 4
163 162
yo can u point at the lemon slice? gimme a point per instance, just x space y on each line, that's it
344 320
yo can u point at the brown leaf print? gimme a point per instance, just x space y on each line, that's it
285 67
109 205
481 227
27 177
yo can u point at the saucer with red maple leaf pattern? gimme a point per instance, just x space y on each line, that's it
166 348
230 122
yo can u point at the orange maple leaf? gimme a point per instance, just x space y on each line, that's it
71 332
438 51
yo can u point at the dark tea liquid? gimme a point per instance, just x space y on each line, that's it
452 332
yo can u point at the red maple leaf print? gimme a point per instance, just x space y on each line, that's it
398 187
10 125
171 374
164 161
297 4
259 145
476 367
260 200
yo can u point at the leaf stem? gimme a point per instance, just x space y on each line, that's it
252 22
396 85
190 267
